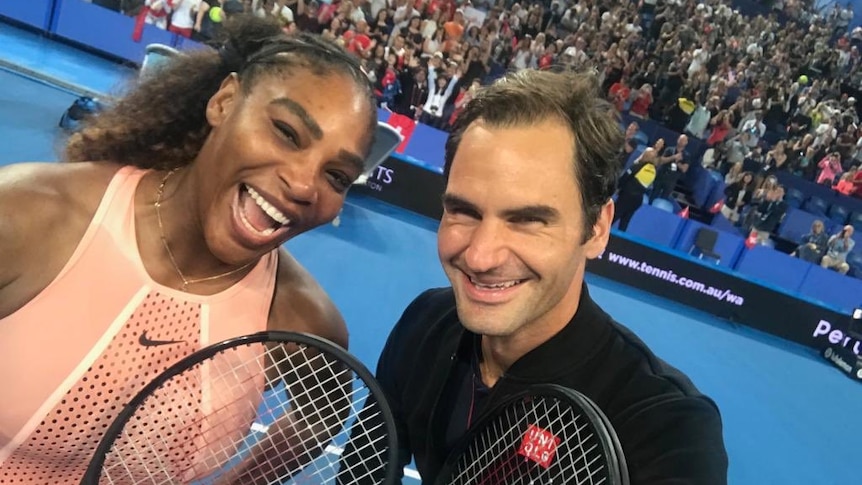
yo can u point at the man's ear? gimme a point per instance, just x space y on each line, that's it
596 245
223 101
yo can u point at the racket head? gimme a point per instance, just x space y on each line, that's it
544 434
326 390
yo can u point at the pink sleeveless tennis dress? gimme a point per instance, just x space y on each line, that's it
74 355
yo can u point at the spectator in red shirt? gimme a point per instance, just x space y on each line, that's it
642 102
857 183
619 93
358 42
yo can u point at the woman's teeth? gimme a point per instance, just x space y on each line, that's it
271 211
249 226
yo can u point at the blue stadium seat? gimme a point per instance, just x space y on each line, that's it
807 187
854 259
716 194
794 197
852 204
816 206
797 223
838 214
723 224
855 220
663 204
699 180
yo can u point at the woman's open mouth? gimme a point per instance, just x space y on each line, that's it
256 219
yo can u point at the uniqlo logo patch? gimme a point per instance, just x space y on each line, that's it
539 445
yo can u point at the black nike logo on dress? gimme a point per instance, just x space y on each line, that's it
147 342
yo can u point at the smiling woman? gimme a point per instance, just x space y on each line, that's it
166 227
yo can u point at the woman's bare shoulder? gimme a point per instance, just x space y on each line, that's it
63 182
301 305
43 207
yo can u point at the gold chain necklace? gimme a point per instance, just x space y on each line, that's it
186 281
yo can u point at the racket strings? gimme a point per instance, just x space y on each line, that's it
319 469
494 456
207 422
227 453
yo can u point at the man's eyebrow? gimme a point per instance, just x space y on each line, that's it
538 211
452 201
303 115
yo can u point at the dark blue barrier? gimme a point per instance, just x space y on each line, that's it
105 30
403 183
656 225
773 267
718 291
832 288
729 246
35 13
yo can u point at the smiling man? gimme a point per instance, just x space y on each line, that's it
531 168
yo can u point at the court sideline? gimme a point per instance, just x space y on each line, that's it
789 418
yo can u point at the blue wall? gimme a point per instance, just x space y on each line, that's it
760 264
36 13
91 25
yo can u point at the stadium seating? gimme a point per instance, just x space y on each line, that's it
663 204
794 197
855 220
854 259
797 223
817 206
838 214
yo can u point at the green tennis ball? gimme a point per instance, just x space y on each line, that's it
803 79
216 15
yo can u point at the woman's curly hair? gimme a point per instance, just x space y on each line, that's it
161 123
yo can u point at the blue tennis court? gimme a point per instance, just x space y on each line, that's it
789 417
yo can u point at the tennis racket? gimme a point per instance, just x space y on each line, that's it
267 408
544 435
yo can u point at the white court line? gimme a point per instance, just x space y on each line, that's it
408 472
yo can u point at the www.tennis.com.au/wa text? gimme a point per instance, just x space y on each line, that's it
670 276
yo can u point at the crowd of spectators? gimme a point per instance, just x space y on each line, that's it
764 93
